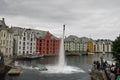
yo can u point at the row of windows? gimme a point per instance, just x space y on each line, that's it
24 43
47 41
47 44
31 35
3 42
25 52
8 50
47 48
26 38
3 34
27 48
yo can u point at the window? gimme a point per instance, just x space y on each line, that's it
19 47
24 34
9 50
23 52
23 48
23 43
24 39
6 50
31 39
4 34
20 42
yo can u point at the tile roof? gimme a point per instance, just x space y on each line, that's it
38 33
17 31
77 39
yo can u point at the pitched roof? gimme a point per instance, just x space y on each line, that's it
17 31
42 34
38 33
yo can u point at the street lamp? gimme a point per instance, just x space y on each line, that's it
101 58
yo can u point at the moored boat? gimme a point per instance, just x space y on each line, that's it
33 56
73 54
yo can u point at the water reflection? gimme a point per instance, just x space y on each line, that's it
82 62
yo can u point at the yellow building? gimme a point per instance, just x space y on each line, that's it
90 46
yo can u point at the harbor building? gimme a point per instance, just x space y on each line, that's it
6 39
46 43
24 41
74 44
90 46
34 42
101 45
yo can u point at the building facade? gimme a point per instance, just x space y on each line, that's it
101 46
74 44
24 41
90 46
6 40
47 44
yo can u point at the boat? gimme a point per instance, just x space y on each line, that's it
33 56
73 54
28 57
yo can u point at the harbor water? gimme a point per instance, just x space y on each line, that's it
83 63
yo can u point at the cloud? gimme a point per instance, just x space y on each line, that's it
82 17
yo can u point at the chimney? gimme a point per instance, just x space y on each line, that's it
3 22
3 19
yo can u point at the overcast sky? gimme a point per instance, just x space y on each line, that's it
98 19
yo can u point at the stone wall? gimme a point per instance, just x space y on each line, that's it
98 75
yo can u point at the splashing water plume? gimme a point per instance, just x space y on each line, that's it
61 52
62 67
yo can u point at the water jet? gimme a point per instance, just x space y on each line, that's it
62 66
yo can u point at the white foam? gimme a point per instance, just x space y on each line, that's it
63 70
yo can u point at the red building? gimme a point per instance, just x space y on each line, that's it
47 45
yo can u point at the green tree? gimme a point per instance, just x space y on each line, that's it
116 49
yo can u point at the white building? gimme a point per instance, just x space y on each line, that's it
102 46
24 41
